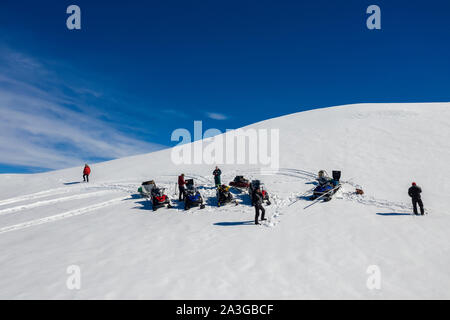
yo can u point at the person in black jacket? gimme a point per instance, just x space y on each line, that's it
257 202
414 192
216 173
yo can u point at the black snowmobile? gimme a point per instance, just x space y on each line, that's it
240 182
327 186
255 184
192 197
156 195
224 195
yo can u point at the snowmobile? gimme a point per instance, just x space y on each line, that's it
240 182
255 184
156 195
224 195
192 197
327 186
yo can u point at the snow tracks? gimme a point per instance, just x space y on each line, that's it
25 204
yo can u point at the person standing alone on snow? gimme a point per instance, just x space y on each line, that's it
414 192
257 202
181 188
86 173
216 174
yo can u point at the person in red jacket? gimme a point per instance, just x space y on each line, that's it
86 173
181 188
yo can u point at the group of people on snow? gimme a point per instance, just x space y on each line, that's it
257 197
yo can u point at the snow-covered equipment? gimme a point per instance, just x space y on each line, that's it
146 188
192 198
224 195
324 196
240 182
156 195
327 186
254 185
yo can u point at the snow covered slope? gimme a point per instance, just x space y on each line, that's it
49 222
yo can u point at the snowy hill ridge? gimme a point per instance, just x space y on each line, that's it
49 221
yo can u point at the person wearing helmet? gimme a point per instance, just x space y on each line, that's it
86 173
181 187
414 192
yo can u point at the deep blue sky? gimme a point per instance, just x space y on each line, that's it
145 68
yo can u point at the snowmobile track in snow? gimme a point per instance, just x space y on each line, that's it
53 201
92 191
60 216
34 196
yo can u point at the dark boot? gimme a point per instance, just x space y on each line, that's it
263 213
422 210
181 191
414 203
256 213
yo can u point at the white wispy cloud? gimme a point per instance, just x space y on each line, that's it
39 129
216 116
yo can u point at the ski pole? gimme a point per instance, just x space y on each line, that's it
317 200
306 192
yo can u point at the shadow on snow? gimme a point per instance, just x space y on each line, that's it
235 223
393 214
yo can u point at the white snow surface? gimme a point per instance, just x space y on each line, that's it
49 222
